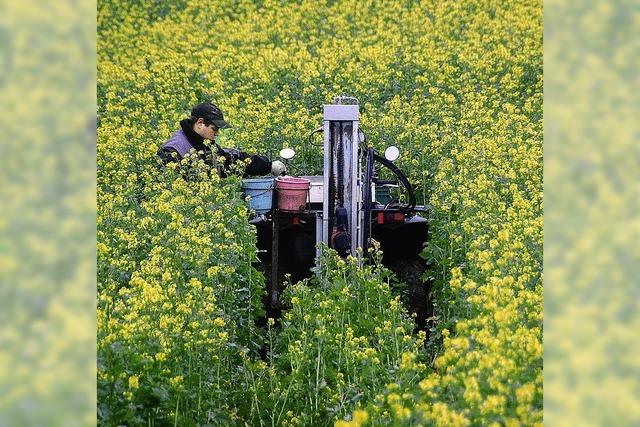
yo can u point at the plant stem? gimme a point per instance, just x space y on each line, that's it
175 419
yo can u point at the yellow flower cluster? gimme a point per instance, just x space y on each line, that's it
360 418
485 157
456 85
177 290
337 350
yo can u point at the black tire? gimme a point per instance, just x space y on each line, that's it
416 294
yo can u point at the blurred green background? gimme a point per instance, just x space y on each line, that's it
47 213
592 223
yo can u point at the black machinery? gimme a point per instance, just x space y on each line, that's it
342 211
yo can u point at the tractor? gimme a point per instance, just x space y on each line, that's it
346 208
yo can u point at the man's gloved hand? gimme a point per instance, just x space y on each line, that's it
278 168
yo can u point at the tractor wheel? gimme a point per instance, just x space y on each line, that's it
416 295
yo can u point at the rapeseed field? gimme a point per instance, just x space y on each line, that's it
457 86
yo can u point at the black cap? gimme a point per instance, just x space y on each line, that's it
210 112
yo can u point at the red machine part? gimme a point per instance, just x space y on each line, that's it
390 217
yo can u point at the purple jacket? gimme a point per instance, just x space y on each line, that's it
179 143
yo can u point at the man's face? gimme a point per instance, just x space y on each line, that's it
206 131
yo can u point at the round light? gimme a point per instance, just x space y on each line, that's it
391 153
287 153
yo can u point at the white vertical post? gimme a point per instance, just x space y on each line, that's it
326 182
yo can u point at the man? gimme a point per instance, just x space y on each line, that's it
205 122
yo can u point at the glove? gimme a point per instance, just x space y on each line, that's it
278 168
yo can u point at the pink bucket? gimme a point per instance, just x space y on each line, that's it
292 193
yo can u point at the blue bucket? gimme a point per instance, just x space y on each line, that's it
260 191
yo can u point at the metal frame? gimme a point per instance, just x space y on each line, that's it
341 118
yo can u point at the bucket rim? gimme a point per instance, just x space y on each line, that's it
258 184
292 179
251 180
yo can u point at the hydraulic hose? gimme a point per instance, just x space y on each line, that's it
403 179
